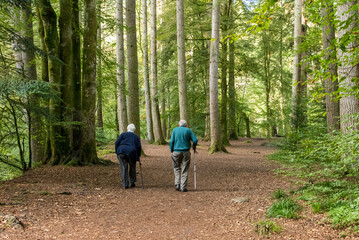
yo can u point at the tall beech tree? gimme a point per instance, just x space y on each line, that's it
181 50
51 39
157 129
331 80
67 83
216 140
348 69
120 60
88 133
145 73
132 66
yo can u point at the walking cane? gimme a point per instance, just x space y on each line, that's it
141 173
194 169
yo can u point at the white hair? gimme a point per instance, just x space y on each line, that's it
131 127
182 123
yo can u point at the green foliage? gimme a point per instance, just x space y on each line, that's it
285 208
279 194
267 227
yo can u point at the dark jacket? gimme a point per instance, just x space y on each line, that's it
129 144
181 139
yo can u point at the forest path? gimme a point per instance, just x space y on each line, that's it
90 203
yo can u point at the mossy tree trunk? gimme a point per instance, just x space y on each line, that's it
88 136
76 76
67 83
99 114
51 39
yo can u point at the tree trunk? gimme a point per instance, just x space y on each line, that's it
132 66
49 20
296 64
36 135
266 78
216 141
145 74
182 82
120 56
99 72
76 76
67 89
88 129
231 85
331 81
349 104
224 79
45 78
157 130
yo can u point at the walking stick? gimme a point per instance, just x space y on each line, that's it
141 173
194 169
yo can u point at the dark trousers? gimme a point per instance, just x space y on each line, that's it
125 161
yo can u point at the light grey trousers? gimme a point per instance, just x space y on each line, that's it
181 162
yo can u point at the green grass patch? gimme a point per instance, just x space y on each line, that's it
279 194
8 173
267 227
285 208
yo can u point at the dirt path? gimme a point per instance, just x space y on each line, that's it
89 202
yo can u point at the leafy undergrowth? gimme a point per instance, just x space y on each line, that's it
326 171
7 172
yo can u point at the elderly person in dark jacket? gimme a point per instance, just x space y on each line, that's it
128 150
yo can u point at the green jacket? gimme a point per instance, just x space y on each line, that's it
181 139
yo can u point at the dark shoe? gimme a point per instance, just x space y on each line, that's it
184 190
177 187
126 187
132 185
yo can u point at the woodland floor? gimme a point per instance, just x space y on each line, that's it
90 203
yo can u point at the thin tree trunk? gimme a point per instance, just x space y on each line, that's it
36 135
331 82
132 66
99 72
224 79
182 82
120 56
232 133
296 63
216 141
155 108
45 78
88 129
145 74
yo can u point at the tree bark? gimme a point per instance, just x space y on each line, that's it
216 141
49 20
76 76
120 56
296 64
331 81
88 137
182 82
99 72
224 64
36 135
132 66
157 130
348 72
146 75
67 88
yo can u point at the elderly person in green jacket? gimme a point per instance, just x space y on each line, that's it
180 145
